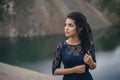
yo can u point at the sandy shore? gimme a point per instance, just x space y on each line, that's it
9 72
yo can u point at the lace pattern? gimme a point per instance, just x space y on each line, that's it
65 48
73 50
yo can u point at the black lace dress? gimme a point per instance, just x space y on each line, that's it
71 55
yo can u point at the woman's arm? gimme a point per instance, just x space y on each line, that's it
90 57
76 69
92 65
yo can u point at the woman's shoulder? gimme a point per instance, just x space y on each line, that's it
61 44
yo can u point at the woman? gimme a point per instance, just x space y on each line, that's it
77 52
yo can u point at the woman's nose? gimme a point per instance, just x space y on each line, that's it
66 27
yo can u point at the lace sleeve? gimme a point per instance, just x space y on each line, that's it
92 51
57 58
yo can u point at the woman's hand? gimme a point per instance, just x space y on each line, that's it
79 69
88 60
76 69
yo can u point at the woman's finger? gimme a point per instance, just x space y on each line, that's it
88 53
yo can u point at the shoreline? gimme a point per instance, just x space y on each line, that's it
9 72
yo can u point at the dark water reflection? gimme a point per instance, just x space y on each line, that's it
24 50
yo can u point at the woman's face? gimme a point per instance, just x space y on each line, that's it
70 28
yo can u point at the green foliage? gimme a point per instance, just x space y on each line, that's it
111 8
110 38
2 10
23 9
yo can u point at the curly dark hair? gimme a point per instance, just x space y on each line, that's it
85 35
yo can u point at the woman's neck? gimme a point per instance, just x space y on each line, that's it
73 40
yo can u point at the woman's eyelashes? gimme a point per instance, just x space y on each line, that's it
69 25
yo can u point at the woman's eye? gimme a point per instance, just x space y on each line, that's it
70 25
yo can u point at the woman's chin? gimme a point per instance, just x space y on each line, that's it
67 35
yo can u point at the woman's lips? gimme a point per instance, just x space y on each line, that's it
66 32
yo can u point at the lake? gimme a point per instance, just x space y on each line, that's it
36 54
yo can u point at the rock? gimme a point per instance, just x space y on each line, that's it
9 72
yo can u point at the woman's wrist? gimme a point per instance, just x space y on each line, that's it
92 65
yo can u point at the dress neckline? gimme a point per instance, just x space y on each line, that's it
72 44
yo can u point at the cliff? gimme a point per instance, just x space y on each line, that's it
43 17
